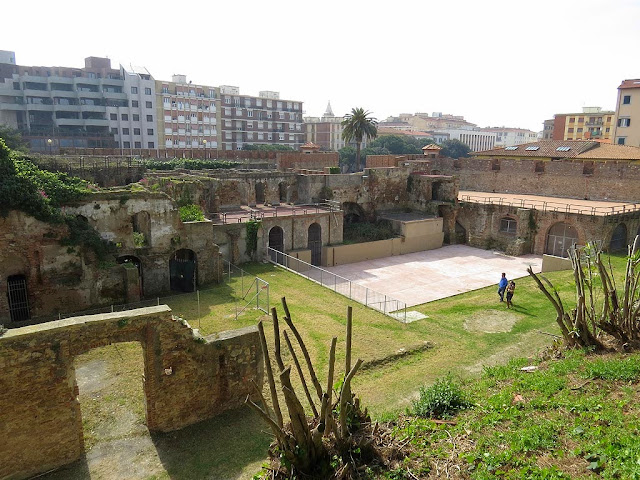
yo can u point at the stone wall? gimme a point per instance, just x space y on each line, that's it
187 379
595 180
311 161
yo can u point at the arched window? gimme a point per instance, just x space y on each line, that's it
508 225
18 298
618 239
560 237
276 242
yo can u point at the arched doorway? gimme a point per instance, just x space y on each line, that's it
560 237
276 242
259 192
133 260
315 243
183 271
18 298
618 238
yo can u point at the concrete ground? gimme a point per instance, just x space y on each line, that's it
421 277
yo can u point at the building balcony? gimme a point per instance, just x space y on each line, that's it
115 95
96 122
42 107
67 122
93 108
86 81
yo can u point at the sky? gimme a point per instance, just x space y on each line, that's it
498 63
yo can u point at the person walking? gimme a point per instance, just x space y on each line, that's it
502 286
511 287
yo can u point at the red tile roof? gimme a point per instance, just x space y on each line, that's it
580 149
632 83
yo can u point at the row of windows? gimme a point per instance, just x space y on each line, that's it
590 129
591 120
147 90
261 136
624 122
138 145
261 125
281 115
258 103
125 117
136 131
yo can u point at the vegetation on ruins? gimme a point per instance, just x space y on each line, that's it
42 194
384 145
189 164
253 226
604 311
361 232
455 149
338 440
191 213
267 147
358 125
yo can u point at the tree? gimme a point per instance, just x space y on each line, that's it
347 158
358 126
455 149
267 147
400 144
13 139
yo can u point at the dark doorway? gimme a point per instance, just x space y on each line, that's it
259 193
561 236
435 190
18 298
282 192
618 239
461 234
183 271
315 243
276 242
131 260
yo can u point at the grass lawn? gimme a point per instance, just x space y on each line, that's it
467 332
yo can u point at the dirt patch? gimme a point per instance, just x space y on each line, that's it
491 321
513 351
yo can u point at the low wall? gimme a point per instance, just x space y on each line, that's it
359 252
553 264
304 256
187 378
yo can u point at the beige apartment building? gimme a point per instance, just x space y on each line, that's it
627 126
592 123
188 114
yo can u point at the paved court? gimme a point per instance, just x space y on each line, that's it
422 277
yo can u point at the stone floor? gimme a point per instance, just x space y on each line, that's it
422 277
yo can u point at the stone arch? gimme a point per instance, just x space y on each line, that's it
560 237
18 298
183 271
508 225
260 193
618 238
314 243
353 213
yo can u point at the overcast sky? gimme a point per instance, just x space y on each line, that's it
511 63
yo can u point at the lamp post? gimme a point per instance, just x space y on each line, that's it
50 143
205 148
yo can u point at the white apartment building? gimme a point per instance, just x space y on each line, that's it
507 136
477 140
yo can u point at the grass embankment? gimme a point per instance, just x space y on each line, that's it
571 418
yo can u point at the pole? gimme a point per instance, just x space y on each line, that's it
198 296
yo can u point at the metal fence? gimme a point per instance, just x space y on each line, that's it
248 291
370 298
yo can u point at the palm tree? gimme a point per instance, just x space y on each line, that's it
357 126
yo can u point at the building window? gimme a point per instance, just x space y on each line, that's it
136 117
227 111
626 100
147 91
281 136
148 105
269 115
508 225
624 122
570 130
151 145
114 131
113 116
249 113
149 118
149 131
134 103
136 131
227 99
137 145
269 137
621 140
125 131
134 89
572 120
581 120
126 144
579 130
125 117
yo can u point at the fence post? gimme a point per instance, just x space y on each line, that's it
198 296
112 308
335 282
320 277
384 308
257 294
158 301
268 306
349 289
366 297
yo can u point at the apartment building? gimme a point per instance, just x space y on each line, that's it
627 126
264 119
547 129
506 136
188 114
592 123
65 107
476 139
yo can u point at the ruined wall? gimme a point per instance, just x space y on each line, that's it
311 161
187 379
482 225
595 180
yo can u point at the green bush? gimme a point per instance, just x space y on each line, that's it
191 213
368 232
189 164
442 399
333 170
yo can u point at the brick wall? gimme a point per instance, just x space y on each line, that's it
312 161
187 379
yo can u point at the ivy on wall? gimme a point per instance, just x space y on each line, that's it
252 236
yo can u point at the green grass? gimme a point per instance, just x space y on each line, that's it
546 424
